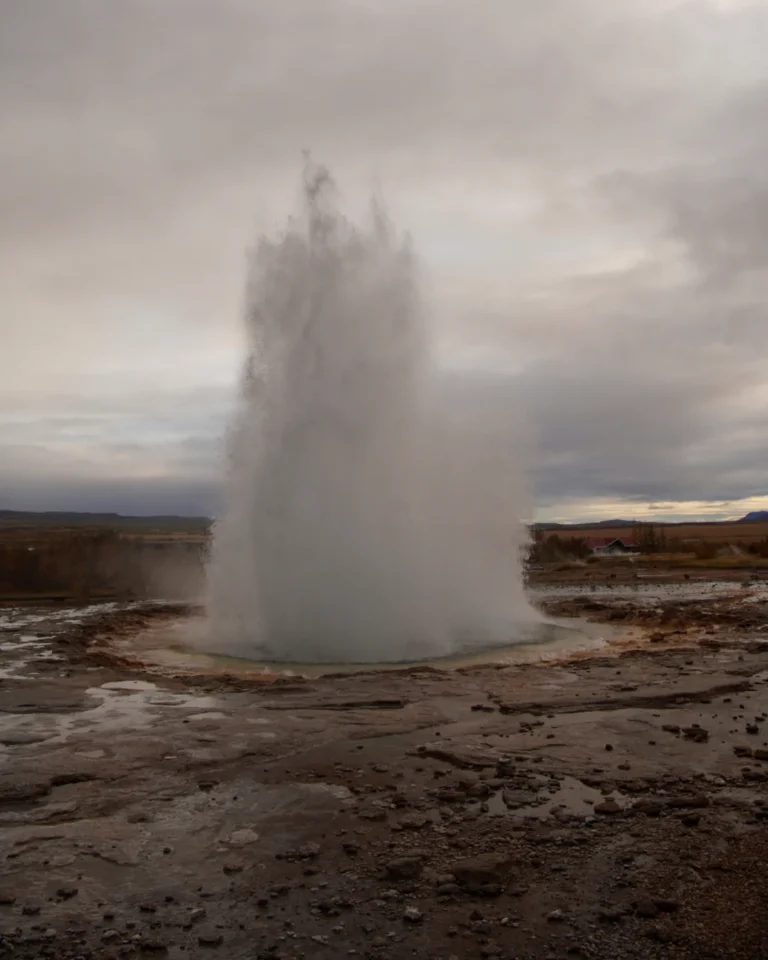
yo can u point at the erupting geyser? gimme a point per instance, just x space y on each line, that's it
369 517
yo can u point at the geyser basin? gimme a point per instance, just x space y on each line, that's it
179 646
372 514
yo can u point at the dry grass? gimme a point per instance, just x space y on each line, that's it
32 536
83 564
747 562
724 532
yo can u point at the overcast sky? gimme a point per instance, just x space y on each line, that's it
586 182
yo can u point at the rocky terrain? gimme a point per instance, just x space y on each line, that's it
611 805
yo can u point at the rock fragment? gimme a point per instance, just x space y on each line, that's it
404 868
210 938
608 808
484 874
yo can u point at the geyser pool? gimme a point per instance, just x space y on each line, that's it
367 519
177 646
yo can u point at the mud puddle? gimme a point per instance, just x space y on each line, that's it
564 798
115 707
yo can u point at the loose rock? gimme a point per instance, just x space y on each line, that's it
608 808
483 874
646 908
404 868
210 938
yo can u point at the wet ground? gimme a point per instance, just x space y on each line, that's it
180 645
609 802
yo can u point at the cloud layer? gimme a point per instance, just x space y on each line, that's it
585 181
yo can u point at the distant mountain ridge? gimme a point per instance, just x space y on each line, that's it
74 518
67 518
591 525
755 516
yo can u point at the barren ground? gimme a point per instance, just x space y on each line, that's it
611 806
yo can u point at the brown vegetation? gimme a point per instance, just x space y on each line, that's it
554 548
144 560
82 565
722 531
713 544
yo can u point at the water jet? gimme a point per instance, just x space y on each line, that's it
366 519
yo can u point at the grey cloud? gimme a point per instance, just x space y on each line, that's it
143 142
123 453
145 101
718 215
650 405
178 496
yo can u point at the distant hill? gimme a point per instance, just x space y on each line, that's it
586 525
756 516
23 519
